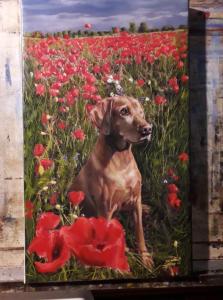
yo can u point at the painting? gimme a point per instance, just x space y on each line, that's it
106 131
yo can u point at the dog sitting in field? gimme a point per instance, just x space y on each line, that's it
110 178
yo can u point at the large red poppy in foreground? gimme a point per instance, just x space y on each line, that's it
49 244
93 241
97 242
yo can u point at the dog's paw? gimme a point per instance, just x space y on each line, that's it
147 260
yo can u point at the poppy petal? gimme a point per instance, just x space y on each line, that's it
47 221
91 256
115 258
78 234
100 226
53 266
43 244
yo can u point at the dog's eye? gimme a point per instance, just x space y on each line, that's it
124 111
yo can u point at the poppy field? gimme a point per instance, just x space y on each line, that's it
64 78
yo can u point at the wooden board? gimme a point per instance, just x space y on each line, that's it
206 100
11 137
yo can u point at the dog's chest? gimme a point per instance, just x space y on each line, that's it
124 184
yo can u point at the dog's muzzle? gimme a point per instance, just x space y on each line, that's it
145 130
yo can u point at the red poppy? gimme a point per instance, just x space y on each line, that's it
172 188
74 92
96 98
172 82
87 88
140 82
46 163
38 150
53 92
47 221
97 242
56 85
44 119
175 178
96 69
78 134
184 78
87 26
170 172
90 79
38 75
89 107
176 88
49 244
159 100
173 200
61 100
61 125
66 36
180 64
53 198
62 109
184 55
116 30
106 68
183 157
174 270
29 209
40 89
76 197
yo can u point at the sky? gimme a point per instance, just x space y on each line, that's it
59 15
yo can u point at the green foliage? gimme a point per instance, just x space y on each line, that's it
132 27
143 27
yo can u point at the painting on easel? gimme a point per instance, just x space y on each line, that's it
106 140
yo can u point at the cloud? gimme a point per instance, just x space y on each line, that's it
183 13
57 15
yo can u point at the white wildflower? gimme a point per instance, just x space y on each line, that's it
110 79
43 133
58 207
175 244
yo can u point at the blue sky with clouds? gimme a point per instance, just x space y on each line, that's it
58 15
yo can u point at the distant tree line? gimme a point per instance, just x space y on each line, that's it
133 28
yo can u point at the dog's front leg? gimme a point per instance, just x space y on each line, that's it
146 257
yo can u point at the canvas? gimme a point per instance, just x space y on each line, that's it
106 140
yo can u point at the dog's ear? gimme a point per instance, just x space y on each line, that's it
100 115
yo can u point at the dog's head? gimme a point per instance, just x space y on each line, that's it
121 116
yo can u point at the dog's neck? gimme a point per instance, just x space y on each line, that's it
107 146
108 153
117 143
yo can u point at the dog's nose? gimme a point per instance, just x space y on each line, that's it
146 130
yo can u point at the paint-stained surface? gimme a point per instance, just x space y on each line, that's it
11 137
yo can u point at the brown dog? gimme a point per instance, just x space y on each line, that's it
110 179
